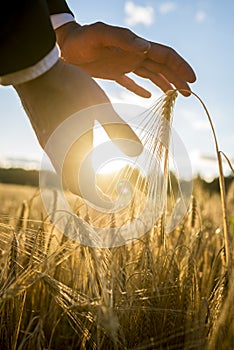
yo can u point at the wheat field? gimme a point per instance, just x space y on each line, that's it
159 292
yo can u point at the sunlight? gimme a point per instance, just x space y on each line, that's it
107 158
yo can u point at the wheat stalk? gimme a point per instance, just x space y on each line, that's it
226 233
193 212
13 257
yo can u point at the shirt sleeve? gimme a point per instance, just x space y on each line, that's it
60 19
27 40
32 72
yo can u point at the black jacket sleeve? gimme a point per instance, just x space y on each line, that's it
58 6
26 33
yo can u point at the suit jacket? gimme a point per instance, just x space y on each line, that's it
26 33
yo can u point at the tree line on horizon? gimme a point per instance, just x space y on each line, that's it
20 176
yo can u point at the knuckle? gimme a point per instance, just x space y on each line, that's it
171 52
99 26
129 33
125 33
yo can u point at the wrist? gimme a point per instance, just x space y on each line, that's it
63 31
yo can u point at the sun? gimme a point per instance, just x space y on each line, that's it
106 156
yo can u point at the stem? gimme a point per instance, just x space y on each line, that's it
226 232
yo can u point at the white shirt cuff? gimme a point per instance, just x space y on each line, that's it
32 72
60 19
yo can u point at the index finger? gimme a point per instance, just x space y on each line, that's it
166 55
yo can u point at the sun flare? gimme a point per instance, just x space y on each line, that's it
107 158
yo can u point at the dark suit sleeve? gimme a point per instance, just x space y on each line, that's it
26 33
58 6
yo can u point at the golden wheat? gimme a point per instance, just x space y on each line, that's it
162 291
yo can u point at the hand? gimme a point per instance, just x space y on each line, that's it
110 52
52 98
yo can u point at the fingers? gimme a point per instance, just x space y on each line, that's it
130 84
120 37
161 54
120 132
163 65
163 77
156 78
170 58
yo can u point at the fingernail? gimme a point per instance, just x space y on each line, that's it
142 44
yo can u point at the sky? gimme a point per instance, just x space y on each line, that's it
199 30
